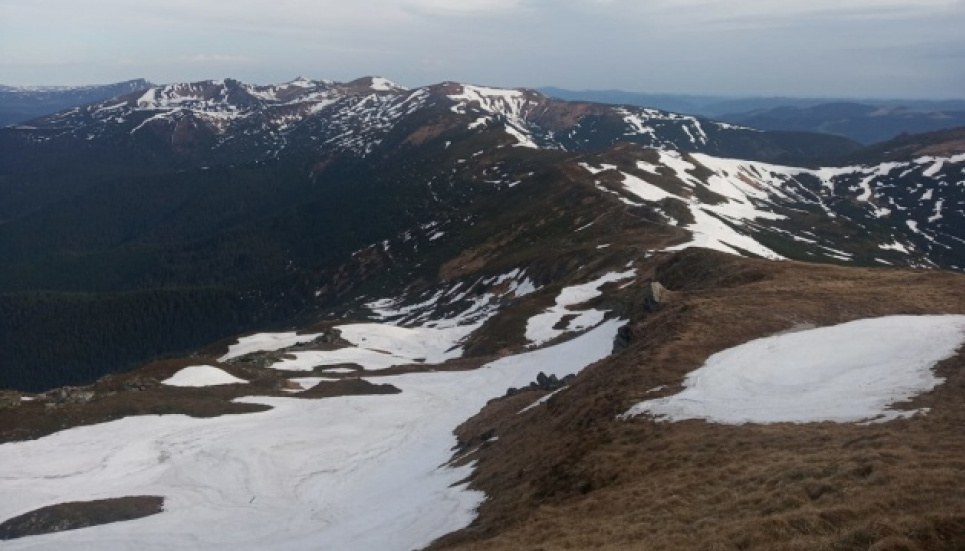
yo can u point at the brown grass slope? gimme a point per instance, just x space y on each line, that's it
569 475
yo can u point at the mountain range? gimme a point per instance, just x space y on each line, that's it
349 272
19 103
866 121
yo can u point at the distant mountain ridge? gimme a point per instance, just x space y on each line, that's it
228 118
866 121
22 103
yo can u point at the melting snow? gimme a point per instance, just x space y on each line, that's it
844 373
713 225
539 328
351 472
511 105
895 246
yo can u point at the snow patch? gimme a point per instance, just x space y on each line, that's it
843 373
202 375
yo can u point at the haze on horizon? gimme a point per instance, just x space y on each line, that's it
816 48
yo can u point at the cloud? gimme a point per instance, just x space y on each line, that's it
700 46
464 7
216 58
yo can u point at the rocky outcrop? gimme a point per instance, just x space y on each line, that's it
70 395
653 296
543 382
623 338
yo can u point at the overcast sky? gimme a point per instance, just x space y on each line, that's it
826 48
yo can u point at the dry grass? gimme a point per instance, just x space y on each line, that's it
570 476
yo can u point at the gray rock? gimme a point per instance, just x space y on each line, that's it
70 395
622 339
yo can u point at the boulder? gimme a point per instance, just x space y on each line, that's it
653 296
622 339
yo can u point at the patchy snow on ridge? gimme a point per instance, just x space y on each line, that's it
416 333
489 104
380 84
844 373
202 375
349 472
540 328
713 225
745 195
456 305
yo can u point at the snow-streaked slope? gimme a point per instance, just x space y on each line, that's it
714 226
540 328
267 119
508 107
352 473
429 330
201 375
844 373
643 121
457 304
733 202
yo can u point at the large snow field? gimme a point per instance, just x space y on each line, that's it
843 373
539 328
352 472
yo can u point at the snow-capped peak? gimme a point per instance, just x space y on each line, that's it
380 84
302 82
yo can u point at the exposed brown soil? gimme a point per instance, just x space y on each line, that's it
945 149
80 514
347 387
570 475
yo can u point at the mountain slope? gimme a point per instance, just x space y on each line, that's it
531 299
269 203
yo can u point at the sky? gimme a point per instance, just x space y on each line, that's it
804 48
